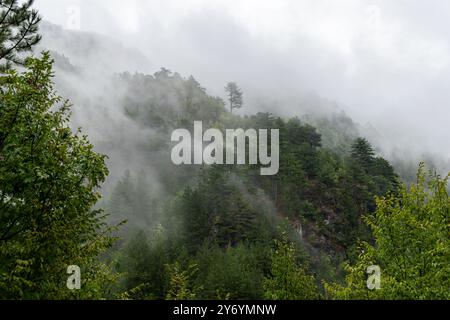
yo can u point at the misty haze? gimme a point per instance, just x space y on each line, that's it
355 204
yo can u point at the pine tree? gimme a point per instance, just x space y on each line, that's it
234 96
18 31
363 153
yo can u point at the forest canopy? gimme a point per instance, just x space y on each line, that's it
147 228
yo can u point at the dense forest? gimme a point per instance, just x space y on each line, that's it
155 230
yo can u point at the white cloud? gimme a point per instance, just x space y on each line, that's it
386 61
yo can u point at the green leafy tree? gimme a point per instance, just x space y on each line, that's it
230 273
234 96
143 261
179 282
18 31
49 179
288 280
412 245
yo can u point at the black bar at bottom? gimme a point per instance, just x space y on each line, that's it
242 309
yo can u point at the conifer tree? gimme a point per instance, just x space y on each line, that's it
234 96
362 152
18 31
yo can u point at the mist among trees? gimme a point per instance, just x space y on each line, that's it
106 197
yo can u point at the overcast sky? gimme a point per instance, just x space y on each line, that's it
384 62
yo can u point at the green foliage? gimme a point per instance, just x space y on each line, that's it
131 200
324 192
412 246
142 263
218 212
166 101
234 96
179 283
18 31
288 280
210 233
362 152
231 273
358 181
49 179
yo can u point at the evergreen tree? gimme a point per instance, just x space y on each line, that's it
131 201
363 153
230 273
234 96
18 31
